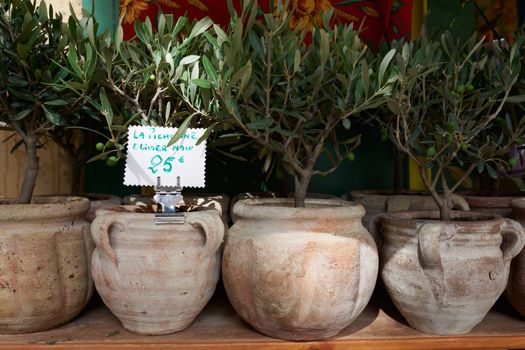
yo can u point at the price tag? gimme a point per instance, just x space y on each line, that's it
150 157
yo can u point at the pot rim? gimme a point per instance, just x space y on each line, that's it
387 192
518 203
282 208
416 218
484 200
93 196
44 208
143 210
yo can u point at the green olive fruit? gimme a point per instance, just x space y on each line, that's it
450 138
513 162
112 161
451 126
99 146
351 156
464 147
460 89
152 77
431 151
470 87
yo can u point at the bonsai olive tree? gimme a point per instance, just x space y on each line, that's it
34 44
444 107
288 97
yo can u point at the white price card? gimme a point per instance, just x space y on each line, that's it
150 157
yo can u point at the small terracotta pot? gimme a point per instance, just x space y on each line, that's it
444 276
45 263
156 278
299 273
99 201
378 202
515 291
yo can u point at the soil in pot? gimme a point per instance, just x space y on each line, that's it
445 276
193 201
299 273
156 278
45 263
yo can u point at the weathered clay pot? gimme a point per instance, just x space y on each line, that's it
299 273
515 291
98 201
496 205
220 202
45 267
445 276
378 202
156 278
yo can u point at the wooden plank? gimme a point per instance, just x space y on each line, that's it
218 327
55 173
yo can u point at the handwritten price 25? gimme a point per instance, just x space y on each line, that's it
165 164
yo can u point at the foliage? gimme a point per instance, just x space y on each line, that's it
154 79
34 44
445 106
289 98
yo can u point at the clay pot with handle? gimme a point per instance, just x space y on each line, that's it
299 273
444 276
156 278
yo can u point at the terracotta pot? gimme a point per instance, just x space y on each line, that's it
378 202
497 205
156 278
220 202
444 276
45 270
299 273
515 291
98 201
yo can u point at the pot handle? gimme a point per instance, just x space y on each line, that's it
100 232
213 226
460 203
513 239
430 258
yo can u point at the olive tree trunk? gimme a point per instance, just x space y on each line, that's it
31 173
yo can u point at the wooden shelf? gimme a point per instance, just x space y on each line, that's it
380 326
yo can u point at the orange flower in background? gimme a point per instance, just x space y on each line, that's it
198 4
168 3
307 13
130 10
370 11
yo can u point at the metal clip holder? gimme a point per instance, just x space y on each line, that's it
168 198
